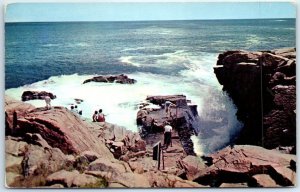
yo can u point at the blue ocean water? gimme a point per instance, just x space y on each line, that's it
37 51
165 57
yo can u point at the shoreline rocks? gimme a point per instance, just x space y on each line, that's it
262 86
122 79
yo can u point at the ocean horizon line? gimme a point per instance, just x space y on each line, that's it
121 21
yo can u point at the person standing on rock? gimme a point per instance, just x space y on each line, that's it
168 105
48 102
167 135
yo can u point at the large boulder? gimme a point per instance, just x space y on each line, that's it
13 111
26 162
64 130
163 180
264 180
127 179
262 86
192 165
239 163
113 166
122 79
75 179
121 141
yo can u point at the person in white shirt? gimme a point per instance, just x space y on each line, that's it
48 102
167 135
168 105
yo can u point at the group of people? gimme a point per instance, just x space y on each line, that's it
98 116
75 109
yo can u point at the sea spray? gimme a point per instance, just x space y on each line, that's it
197 145
119 102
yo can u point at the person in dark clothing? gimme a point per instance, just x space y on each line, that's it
95 116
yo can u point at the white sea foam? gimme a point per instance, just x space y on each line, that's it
51 45
120 102
197 145
129 61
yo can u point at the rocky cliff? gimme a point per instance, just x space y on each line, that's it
262 85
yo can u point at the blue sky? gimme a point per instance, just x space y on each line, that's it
37 12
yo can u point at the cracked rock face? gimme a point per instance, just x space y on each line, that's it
262 86
246 164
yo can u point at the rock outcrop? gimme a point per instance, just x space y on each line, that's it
13 110
262 86
31 95
122 142
256 166
122 79
64 130
184 118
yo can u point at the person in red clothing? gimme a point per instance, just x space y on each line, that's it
101 117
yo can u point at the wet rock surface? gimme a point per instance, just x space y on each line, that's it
122 79
262 86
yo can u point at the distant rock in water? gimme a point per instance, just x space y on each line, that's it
32 95
122 79
262 86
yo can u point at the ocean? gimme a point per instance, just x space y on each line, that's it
165 57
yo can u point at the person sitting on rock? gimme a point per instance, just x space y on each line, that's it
76 109
73 109
95 116
48 102
167 135
168 105
101 117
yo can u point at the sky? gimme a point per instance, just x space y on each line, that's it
44 12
